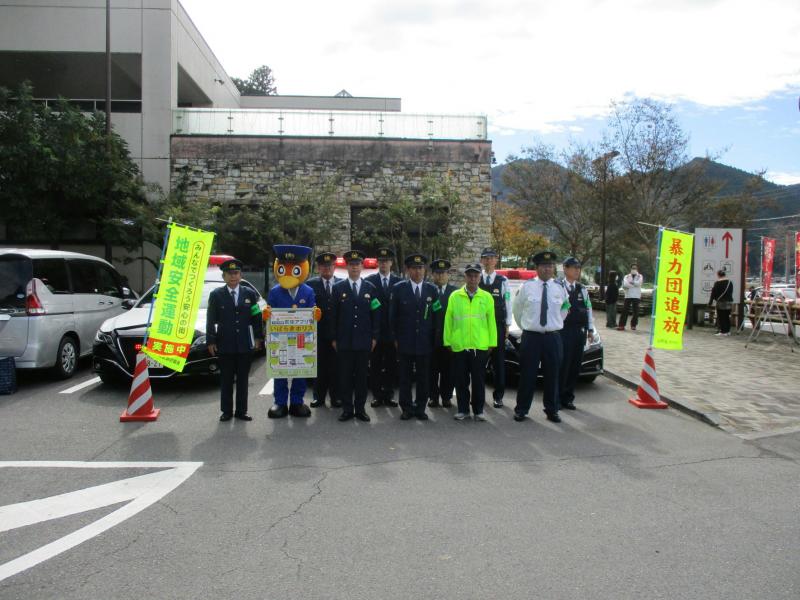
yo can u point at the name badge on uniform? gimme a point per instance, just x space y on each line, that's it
344 294
495 292
247 300
428 299
366 296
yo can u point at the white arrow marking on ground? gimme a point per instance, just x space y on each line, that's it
268 388
80 386
141 492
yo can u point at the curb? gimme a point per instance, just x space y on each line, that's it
685 407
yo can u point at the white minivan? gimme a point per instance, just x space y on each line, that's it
51 305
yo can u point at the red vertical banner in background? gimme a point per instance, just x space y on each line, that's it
746 261
797 264
768 257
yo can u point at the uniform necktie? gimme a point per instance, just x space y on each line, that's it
385 284
233 296
328 288
355 289
487 280
543 312
416 293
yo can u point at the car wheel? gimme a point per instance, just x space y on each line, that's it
588 378
66 358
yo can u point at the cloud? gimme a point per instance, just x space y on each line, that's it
529 65
782 178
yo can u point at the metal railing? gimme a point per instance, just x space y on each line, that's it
318 123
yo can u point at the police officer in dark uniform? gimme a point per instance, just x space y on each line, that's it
441 358
325 383
355 326
234 329
383 361
412 309
497 286
578 326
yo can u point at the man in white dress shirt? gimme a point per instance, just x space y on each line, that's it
539 309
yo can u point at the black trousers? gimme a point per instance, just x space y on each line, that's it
352 368
234 367
383 370
724 320
441 384
325 383
632 305
573 340
535 348
407 364
470 365
498 358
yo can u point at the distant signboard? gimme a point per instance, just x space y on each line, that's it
716 249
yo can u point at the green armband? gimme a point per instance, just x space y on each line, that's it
565 305
255 310
507 296
375 304
436 306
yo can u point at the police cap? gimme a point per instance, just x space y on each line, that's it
473 267
354 256
233 264
416 260
440 265
488 252
325 258
385 254
572 262
544 257
292 253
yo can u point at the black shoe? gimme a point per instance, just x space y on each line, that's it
568 406
406 416
278 411
335 403
433 403
390 403
498 404
362 416
422 417
447 404
316 403
376 403
346 416
225 417
244 417
518 417
553 417
299 410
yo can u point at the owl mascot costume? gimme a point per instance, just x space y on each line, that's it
291 269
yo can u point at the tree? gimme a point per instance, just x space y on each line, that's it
260 83
510 236
60 173
431 220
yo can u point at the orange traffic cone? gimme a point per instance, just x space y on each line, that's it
647 395
140 400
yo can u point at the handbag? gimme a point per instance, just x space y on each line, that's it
724 305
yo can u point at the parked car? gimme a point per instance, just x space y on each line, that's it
51 304
119 339
592 364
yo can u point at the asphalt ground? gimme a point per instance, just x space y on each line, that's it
615 502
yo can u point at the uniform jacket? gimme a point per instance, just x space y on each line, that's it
355 322
444 296
376 280
325 303
501 294
469 324
279 297
580 310
234 329
412 322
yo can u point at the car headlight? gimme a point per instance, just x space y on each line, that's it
200 340
103 338
594 342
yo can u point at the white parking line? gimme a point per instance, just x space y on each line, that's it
80 386
267 389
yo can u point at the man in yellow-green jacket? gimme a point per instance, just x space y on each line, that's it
470 331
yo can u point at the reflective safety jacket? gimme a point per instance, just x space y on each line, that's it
469 324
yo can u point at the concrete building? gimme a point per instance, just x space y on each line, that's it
168 87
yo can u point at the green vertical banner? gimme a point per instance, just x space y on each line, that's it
177 299
671 300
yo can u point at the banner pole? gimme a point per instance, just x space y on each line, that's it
158 281
655 287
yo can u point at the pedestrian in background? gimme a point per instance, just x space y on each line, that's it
611 298
234 328
539 309
632 283
470 330
722 293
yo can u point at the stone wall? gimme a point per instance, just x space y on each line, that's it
242 169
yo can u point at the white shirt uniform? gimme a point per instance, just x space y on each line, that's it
504 290
633 285
527 307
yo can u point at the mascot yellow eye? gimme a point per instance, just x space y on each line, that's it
296 271
281 270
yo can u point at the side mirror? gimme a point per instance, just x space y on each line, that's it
127 304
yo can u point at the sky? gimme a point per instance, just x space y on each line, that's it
540 70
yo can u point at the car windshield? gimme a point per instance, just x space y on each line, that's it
209 286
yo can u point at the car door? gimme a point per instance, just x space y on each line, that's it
89 305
